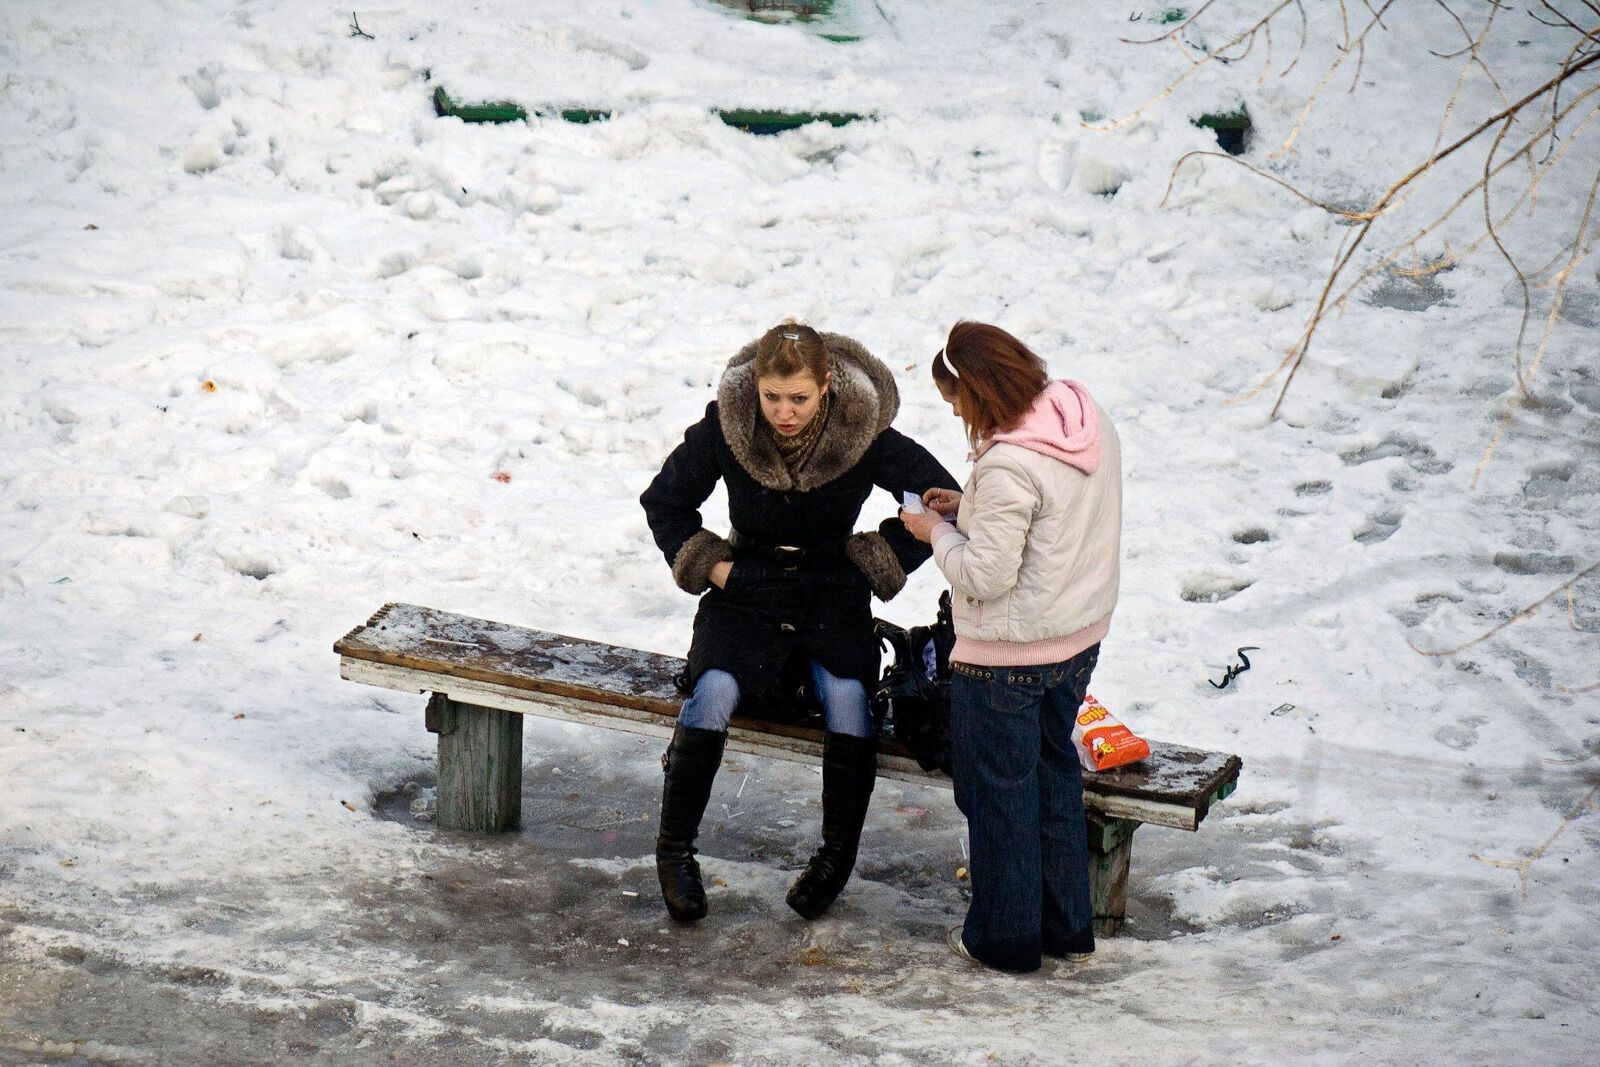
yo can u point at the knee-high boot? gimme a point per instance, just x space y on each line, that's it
849 771
690 764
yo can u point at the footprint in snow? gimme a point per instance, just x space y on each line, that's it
1378 528
1418 455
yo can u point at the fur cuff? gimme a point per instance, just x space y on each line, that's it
873 557
691 567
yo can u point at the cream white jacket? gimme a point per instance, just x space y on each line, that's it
1034 554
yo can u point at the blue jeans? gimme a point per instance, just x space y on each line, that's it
716 697
1018 782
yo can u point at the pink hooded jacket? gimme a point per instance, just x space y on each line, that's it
1033 557
1063 423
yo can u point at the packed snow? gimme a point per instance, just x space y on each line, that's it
280 345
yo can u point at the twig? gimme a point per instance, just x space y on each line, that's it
1333 68
1544 337
1252 168
1172 86
1385 261
1300 50
1524 866
1525 613
1384 204
1180 27
1451 261
356 30
1494 235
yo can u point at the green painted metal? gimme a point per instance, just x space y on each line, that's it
499 111
1237 119
750 120
768 122
821 17
781 10
583 115
1231 127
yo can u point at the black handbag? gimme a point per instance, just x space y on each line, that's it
912 699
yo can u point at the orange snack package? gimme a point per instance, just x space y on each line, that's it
1101 739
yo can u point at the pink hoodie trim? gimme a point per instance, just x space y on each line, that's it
1028 653
1062 424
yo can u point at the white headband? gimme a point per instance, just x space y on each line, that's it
945 357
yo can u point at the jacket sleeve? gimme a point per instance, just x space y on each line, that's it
899 465
985 561
672 506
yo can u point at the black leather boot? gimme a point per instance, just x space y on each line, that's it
690 763
849 771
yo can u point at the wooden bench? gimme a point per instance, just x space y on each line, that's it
484 676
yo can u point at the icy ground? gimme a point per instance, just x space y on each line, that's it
279 345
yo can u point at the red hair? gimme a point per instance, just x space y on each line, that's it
994 377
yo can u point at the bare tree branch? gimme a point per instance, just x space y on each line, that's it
1544 338
1179 28
1525 613
1384 203
1172 86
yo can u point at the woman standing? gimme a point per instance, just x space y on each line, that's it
1030 549
799 434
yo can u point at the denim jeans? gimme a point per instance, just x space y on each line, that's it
1018 782
843 700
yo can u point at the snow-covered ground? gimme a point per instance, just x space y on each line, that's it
270 330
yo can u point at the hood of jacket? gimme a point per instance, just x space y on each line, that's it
1062 424
865 402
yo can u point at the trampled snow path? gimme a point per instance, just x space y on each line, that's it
271 388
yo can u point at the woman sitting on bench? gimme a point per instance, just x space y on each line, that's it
799 433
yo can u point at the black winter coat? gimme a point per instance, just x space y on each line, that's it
777 603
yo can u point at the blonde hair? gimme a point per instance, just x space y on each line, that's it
789 349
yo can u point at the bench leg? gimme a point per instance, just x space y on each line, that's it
480 765
1110 849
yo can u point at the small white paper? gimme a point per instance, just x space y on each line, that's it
912 503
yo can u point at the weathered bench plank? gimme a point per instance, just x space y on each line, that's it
511 668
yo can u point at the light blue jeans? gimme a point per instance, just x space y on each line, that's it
716 697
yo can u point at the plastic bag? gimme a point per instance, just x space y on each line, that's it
1101 739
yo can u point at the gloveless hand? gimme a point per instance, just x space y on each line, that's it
921 525
944 501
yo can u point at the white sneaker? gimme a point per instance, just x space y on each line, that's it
1072 963
952 938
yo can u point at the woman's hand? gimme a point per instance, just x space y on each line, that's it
719 574
921 525
944 501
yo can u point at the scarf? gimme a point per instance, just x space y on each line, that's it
794 451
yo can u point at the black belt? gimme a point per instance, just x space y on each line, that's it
789 557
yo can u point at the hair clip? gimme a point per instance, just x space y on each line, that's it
791 335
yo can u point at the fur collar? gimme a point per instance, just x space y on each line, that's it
865 402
